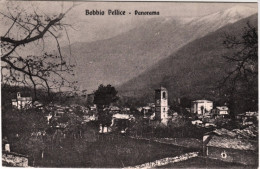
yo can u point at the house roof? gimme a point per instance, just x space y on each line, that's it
202 101
251 113
146 107
161 88
232 143
247 133
224 132
114 108
121 116
24 99
222 108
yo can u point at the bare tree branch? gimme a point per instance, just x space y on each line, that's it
42 70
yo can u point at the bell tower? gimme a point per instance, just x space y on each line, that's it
161 104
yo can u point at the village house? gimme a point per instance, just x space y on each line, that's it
90 116
211 118
228 146
139 109
59 112
114 109
247 118
116 119
197 122
22 102
124 119
93 107
38 105
251 114
126 109
151 105
201 106
222 110
147 111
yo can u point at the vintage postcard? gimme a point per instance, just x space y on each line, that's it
129 84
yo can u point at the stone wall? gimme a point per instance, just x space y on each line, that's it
14 159
232 155
167 160
182 142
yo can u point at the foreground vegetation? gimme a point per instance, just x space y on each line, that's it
107 151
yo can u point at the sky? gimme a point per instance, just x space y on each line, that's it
92 28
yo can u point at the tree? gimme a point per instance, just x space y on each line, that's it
185 102
105 95
35 145
23 122
240 84
74 125
29 30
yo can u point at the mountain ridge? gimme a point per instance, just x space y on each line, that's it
120 58
185 80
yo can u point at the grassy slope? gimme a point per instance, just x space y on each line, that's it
119 152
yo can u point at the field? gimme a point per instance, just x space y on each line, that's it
107 151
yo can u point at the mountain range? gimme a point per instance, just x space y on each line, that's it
193 71
155 52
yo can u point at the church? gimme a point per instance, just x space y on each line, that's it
22 102
161 105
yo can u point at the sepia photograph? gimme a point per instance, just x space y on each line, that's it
129 84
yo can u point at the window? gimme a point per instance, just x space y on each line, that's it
164 95
223 154
158 101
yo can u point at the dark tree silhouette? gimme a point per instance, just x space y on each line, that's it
29 30
240 84
105 95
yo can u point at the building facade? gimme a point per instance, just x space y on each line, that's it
232 150
201 106
22 102
161 104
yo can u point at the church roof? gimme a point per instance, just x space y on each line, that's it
161 88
